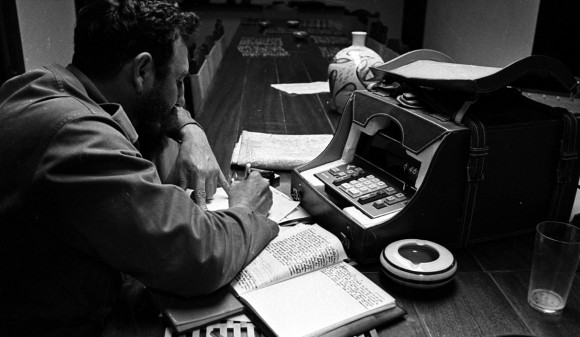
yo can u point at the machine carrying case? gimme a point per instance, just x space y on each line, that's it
447 152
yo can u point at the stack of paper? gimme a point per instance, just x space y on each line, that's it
278 152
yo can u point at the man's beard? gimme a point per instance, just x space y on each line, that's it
152 124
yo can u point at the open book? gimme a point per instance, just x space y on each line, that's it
299 285
185 314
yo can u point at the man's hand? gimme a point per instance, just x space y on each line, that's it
253 192
196 166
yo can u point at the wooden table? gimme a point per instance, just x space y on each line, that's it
487 296
241 96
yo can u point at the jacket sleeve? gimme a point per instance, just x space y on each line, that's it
93 190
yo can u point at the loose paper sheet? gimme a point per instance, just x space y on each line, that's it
302 88
297 215
281 207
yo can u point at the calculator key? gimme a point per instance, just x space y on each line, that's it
341 180
365 199
382 193
334 170
390 190
381 184
345 186
354 192
354 177
379 204
370 176
391 200
400 196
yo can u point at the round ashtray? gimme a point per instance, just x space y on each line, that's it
418 263
293 23
300 34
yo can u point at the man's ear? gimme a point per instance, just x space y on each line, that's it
143 72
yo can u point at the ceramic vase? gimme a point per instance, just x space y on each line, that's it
350 70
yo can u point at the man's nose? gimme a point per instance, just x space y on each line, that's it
180 101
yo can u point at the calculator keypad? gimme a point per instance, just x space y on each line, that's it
373 195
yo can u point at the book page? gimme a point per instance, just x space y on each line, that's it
296 250
318 302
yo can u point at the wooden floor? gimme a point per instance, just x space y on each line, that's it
487 296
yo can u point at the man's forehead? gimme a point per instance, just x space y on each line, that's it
180 57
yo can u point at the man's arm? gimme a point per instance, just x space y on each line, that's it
100 196
196 166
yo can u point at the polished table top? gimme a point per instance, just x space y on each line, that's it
241 98
487 296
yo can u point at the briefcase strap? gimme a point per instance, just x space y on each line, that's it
566 163
478 151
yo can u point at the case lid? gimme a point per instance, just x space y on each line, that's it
433 69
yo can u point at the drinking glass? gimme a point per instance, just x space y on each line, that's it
554 263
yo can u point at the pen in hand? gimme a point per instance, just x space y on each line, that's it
248 170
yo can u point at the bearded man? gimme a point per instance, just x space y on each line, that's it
81 202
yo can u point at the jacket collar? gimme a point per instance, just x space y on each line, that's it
115 110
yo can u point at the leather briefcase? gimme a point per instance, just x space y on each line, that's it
446 152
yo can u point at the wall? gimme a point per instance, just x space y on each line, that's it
482 32
390 11
46 29
46 26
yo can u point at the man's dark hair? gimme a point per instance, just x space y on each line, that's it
108 33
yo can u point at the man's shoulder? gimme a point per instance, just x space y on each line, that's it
51 92
45 100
